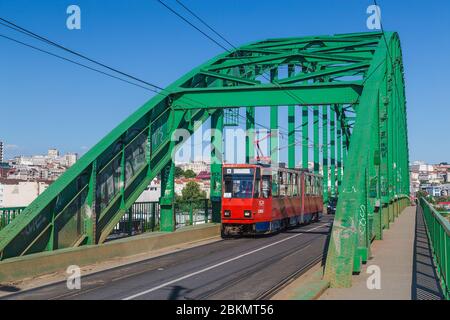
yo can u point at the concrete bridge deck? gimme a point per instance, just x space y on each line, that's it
406 265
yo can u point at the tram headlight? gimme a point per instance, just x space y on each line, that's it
247 213
227 213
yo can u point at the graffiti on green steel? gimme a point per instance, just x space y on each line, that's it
350 78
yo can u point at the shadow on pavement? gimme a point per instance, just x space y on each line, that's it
425 283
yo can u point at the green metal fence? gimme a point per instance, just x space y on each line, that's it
9 214
141 217
145 217
438 229
192 212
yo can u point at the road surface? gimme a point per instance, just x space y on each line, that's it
244 268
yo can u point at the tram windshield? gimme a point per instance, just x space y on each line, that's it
238 183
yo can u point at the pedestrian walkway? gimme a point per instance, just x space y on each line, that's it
425 285
405 263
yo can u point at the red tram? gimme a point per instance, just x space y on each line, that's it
259 199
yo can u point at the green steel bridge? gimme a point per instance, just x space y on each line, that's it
354 85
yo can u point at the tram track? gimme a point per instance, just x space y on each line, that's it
255 268
245 268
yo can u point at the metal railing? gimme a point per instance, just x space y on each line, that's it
438 229
193 212
9 214
144 217
141 217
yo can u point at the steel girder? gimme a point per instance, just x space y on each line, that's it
376 180
341 73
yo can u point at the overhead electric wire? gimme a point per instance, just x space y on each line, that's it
192 25
292 95
74 62
390 58
17 28
27 32
206 24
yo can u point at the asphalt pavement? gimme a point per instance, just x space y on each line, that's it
242 268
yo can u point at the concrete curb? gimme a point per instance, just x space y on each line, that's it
312 291
309 286
44 263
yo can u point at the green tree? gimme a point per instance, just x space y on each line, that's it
421 194
178 172
192 191
189 174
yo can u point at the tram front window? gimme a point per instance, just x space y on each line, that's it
238 183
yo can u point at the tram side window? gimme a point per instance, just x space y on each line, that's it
266 187
308 185
316 186
295 185
313 185
275 184
281 183
257 188
289 185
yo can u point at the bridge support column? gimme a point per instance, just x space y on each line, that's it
168 219
167 200
274 126
250 134
216 165
333 151
291 127
316 139
90 221
325 152
305 137
338 112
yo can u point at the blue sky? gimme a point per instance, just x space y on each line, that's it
47 103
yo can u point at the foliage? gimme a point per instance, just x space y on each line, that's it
421 194
178 172
442 199
192 191
186 174
189 174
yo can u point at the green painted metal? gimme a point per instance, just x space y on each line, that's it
291 126
192 212
381 105
350 71
316 139
231 117
325 152
305 137
338 112
141 217
438 230
250 137
217 124
333 151
8 214
274 125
